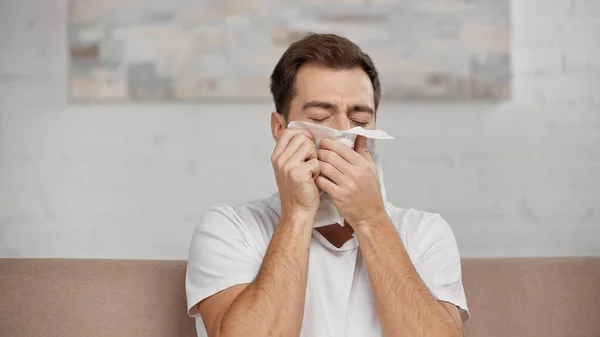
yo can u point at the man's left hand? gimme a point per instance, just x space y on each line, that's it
350 178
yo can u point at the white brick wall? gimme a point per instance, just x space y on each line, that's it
520 178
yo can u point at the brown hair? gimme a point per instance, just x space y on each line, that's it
330 50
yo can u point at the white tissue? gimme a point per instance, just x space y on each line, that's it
345 136
327 213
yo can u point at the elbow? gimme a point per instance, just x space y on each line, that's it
452 330
220 329
447 328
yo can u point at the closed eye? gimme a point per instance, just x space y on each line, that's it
319 120
361 124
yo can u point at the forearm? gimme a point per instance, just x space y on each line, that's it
273 304
404 303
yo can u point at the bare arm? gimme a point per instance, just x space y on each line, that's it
404 303
273 304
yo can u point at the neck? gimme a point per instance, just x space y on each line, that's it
336 234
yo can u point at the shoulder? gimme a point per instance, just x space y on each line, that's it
432 248
411 222
420 230
228 247
252 222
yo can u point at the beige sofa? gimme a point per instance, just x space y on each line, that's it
113 298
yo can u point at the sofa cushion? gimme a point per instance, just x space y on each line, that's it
535 297
93 298
99 298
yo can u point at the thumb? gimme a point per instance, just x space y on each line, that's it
360 146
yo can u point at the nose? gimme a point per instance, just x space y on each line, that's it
341 122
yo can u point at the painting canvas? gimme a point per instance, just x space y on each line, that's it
194 50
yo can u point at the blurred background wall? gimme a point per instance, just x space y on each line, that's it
517 178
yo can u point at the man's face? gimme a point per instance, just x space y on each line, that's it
339 99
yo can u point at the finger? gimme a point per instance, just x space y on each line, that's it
344 151
286 137
332 173
326 185
314 167
306 151
335 160
299 141
361 147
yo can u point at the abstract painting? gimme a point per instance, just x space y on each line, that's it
194 50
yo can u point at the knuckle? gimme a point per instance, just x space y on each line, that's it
307 141
362 171
299 133
306 133
343 193
288 169
295 174
305 146
330 170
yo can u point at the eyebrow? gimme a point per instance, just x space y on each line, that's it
363 108
330 106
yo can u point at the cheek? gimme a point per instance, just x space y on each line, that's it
372 124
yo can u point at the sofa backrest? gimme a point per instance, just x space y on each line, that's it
93 298
550 297
102 298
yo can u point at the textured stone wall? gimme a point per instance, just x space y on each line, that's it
520 178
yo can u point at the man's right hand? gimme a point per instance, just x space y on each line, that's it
296 168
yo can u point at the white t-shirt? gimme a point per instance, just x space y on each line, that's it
230 243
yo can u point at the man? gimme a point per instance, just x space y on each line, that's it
260 269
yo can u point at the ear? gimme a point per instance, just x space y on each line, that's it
278 124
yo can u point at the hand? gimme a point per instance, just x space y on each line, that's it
350 178
296 168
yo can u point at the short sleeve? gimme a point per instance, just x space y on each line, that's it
220 257
439 264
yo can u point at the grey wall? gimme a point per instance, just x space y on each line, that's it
520 178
